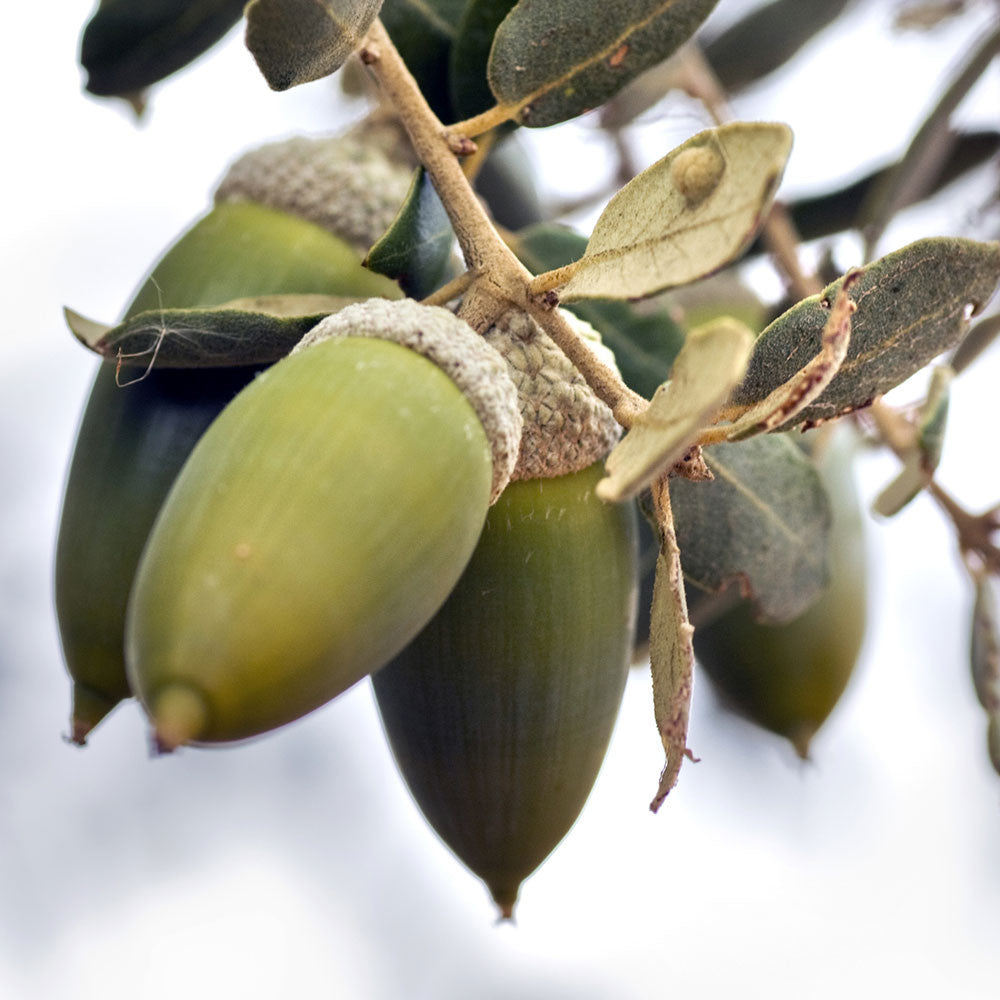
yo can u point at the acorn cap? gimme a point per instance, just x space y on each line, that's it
440 336
342 183
566 428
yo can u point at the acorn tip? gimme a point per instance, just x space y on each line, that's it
506 900
89 708
179 715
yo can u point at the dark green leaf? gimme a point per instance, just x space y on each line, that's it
912 305
762 523
470 91
555 59
238 333
767 38
424 32
416 248
984 651
644 338
128 46
506 181
295 41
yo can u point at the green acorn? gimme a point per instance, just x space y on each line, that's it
134 439
788 678
320 522
499 713
128 45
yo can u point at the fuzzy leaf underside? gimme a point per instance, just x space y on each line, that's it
424 32
645 340
416 247
912 305
470 55
708 367
761 523
685 216
555 59
246 332
296 41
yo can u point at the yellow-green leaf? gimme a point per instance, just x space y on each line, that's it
295 41
709 365
686 216
555 59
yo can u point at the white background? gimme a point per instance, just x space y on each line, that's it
298 865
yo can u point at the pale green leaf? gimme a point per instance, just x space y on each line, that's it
913 304
709 364
555 59
762 524
984 649
922 460
671 650
295 41
686 216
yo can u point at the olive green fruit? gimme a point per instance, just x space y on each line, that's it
128 45
319 523
134 438
499 713
788 678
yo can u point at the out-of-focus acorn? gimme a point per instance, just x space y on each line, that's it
128 45
320 522
134 438
499 713
788 678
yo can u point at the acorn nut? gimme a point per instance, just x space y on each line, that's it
134 438
500 712
320 522
788 678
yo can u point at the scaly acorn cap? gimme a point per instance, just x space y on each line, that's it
566 428
465 357
345 184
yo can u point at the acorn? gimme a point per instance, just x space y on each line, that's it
134 438
788 678
500 712
320 522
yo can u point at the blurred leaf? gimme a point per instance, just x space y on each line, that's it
296 41
925 14
506 181
555 59
645 341
671 651
416 247
913 175
710 363
244 332
975 342
767 38
129 45
993 741
912 305
984 649
470 90
685 216
809 382
761 523
922 461
424 31
835 211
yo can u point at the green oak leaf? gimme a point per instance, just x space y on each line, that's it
296 41
416 247
912 305
470 90
555 59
